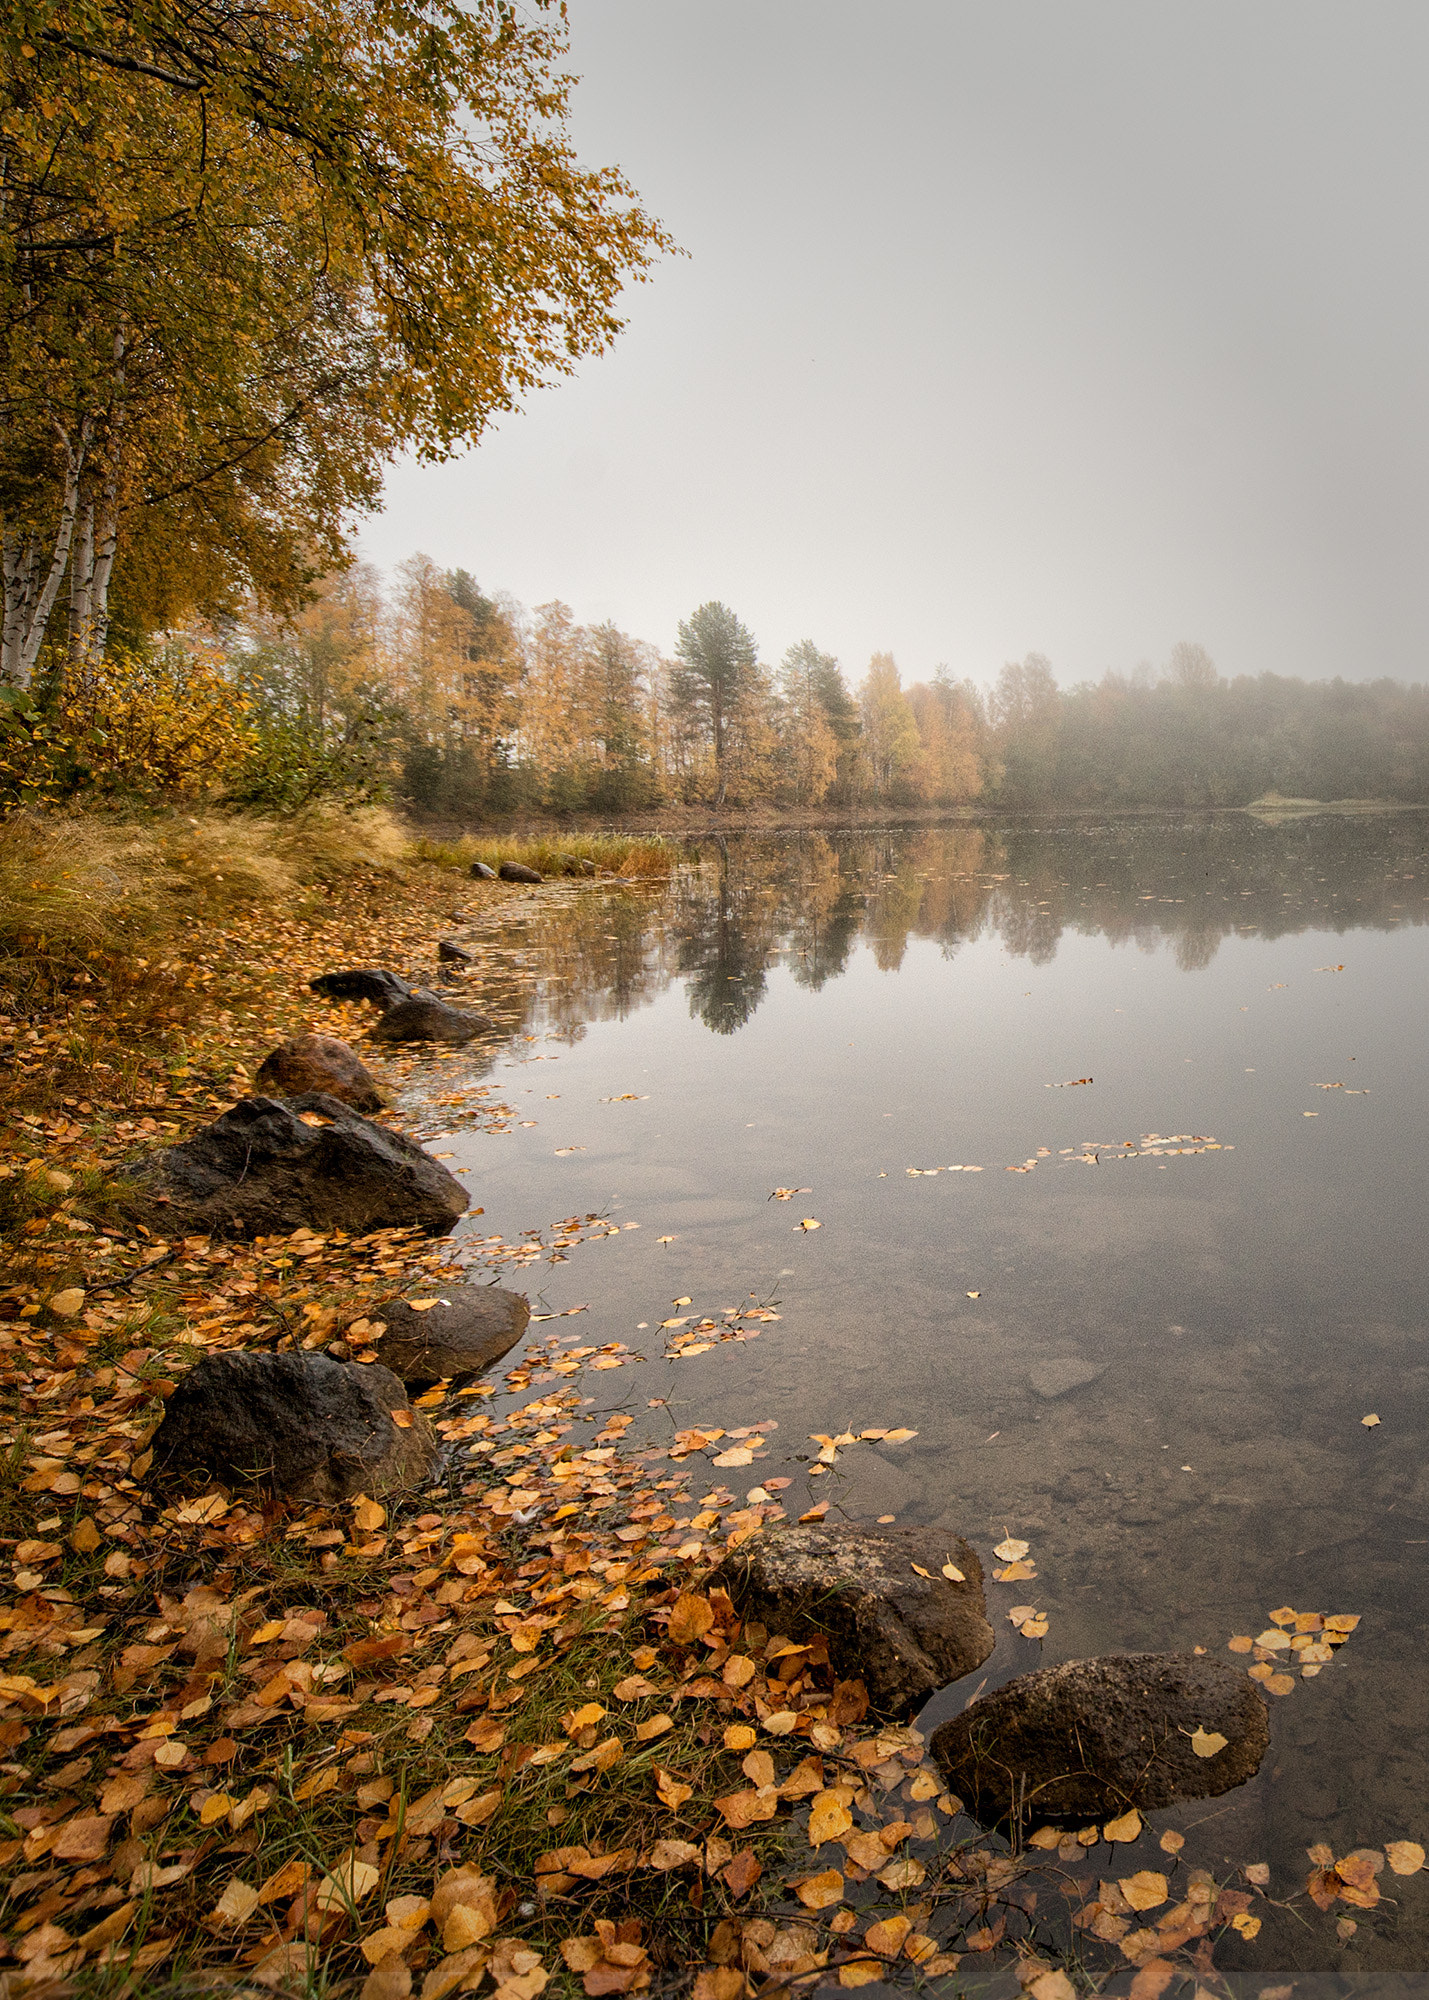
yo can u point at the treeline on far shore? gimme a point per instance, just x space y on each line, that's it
432 693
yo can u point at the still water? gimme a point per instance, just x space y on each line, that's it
1188 1057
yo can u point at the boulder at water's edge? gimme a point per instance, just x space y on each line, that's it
878 1595
263 1170
318 1062
424 1018
459 1336
302 1426
1092 1738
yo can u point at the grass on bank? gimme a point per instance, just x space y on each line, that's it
629 855
76 887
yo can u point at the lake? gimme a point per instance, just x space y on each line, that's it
1114 1133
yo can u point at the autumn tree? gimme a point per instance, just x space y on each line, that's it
949 717
320 688
889 745
1025 709
624 676
716 685
248 253
808 747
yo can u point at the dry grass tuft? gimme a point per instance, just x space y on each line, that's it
628 855
76 889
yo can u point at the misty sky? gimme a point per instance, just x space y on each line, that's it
1067 327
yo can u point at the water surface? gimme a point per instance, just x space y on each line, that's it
1225 1222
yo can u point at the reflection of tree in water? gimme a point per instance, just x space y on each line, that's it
723 920
738 903
825 912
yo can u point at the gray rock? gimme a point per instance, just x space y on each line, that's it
1059 1375
482 873
452 953
260 1170
424 1018
318 1062
574 864
302 1426
1094 1737
904 1634
459 1336
383 988
517 871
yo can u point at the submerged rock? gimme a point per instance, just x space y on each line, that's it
1059 1375
424 1018
302 1426
904 1630
319 1062
1095 1737
373 983
482 873
517 871
263 1170
458 1336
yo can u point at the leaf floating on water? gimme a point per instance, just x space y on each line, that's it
1015 1572
1241 1643
810 1223
1172 1842
1370 1421
1405 1857
1127 1828
1011 1550
1207 1742
1145 1890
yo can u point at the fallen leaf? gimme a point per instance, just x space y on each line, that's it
829 1818
742 1873
1405 1857
671 1791
691 1616
1145 1890
820 1892
1370 1421
1207 1742
673 1854
236 1905
1011 1550
1127 1828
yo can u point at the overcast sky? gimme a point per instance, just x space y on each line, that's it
1042 325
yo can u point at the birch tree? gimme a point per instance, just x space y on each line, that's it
246 254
